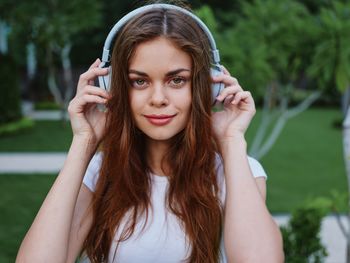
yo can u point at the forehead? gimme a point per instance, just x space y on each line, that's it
159 54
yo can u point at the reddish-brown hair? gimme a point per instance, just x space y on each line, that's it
124 183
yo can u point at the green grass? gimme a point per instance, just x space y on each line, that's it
46 136
21 198
307 160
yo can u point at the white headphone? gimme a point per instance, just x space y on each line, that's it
106 55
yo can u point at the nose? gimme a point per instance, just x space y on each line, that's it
158 96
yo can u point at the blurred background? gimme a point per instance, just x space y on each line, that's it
294 56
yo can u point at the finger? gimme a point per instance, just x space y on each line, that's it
92 90
87 98
95 64
91 74
242 96
79 104
226 79
226 72
228 99
230 90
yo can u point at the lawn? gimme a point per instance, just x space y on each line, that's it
46 136
21 197
305 161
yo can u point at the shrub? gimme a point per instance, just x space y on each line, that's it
46 105
10 107
15 127
301 238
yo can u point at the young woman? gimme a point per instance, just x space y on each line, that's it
171 181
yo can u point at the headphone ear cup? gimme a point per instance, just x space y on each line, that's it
217 87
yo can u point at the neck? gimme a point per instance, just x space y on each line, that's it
155 153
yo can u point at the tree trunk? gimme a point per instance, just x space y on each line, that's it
277 118
347 253
345 101
31 60
346 148
68 78
4 31
51 80
266 118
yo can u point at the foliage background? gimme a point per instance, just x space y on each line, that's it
294 46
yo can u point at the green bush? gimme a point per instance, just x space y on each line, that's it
46 105
301 239
15 127
10 107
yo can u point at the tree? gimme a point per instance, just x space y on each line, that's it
331 59
52 26
4 27
331 66
10 98
267 50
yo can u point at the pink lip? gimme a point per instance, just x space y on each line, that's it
159 120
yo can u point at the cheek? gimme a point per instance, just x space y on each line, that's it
135 102
187 103
184 100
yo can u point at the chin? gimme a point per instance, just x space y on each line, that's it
160 136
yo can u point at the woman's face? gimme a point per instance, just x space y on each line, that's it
160 88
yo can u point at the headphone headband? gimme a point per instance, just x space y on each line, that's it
108 43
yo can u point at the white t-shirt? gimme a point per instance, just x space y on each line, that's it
163 239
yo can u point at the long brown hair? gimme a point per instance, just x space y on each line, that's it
124 184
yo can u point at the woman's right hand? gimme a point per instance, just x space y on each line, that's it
87 120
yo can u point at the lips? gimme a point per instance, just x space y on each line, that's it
159 120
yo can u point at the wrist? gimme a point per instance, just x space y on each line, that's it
85 143
236 137
234 142
79 155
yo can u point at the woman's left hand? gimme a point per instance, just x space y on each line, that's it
239 108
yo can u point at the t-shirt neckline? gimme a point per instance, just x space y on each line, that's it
159 178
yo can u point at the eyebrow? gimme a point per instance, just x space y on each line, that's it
170 73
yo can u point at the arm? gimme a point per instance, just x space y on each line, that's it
261 183
250 233
47 238
56 234
81 223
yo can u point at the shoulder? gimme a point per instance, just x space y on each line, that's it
93 171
